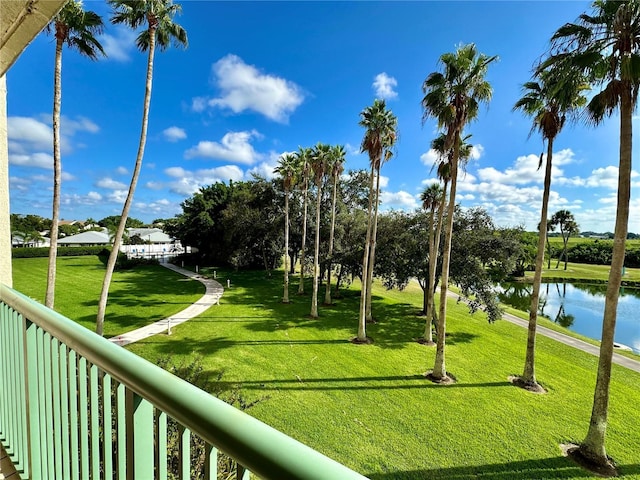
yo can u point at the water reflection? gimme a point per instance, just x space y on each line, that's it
579 307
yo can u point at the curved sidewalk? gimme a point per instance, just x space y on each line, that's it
211 296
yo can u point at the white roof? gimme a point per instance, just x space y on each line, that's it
90 237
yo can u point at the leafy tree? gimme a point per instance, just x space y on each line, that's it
161 31
549 101
287 170
380 137
605 46
69 229
453 97
566 222
114 221
76 28
335 169
27 223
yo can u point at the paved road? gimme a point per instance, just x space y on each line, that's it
211 297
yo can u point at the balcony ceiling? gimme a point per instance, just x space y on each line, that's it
20 22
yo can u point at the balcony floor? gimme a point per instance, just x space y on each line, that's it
6 467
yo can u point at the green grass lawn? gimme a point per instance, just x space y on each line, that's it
136 298
583 272
370 407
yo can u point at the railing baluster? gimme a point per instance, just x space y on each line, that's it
74 398
139 436
57 423
48 404
94 411
210 462
64 410
41 399
19 339
121 431
242 473
4 365
160 452
107 438
184 453
83 411
32 381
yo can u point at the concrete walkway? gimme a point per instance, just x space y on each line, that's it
618 359
211 297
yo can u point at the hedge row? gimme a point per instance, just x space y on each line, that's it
598 253
30 252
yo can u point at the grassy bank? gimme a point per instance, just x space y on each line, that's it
580 272
136 298
370 406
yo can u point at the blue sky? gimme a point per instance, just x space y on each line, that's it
259 79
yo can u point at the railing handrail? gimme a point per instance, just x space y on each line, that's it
262 449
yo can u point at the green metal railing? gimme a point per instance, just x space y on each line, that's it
75 406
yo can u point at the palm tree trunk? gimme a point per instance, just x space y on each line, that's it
529 374
548 250
316 266
593 446
57 176
564 247
285 296
304 238
439 368
327 293
433 262
372 249
362 319
113 257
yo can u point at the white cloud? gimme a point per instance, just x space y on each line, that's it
244 87
94 196
38 160
67 176
525 169
118 46
402 200
384 85
117 196
162 207
477 151
69 127
122 171
173 134
384 181
234 147
36 134
188 182
154 185
111 184
351 149
430 158
70 200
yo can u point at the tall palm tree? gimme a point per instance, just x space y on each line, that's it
431 199
160 30
336 167
549 101
606 47
453 97
287 170
76 28
319 160
380 136
304 171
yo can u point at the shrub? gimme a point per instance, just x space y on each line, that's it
36 252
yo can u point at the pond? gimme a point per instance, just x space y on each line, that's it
580 308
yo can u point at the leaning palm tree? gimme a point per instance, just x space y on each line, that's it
336 167
549 101
380 136
453 97
606 47
76 28
319 160
304 170
157 15
287 170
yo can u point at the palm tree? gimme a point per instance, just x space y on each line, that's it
550 228
287 170
319 159
336 167
76 28
304 170
606 47
453 98
379 138
548 101
157 15
565 220
431 199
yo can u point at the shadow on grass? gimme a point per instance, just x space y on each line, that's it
352 383
556 467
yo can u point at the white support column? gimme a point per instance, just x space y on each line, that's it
5 229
